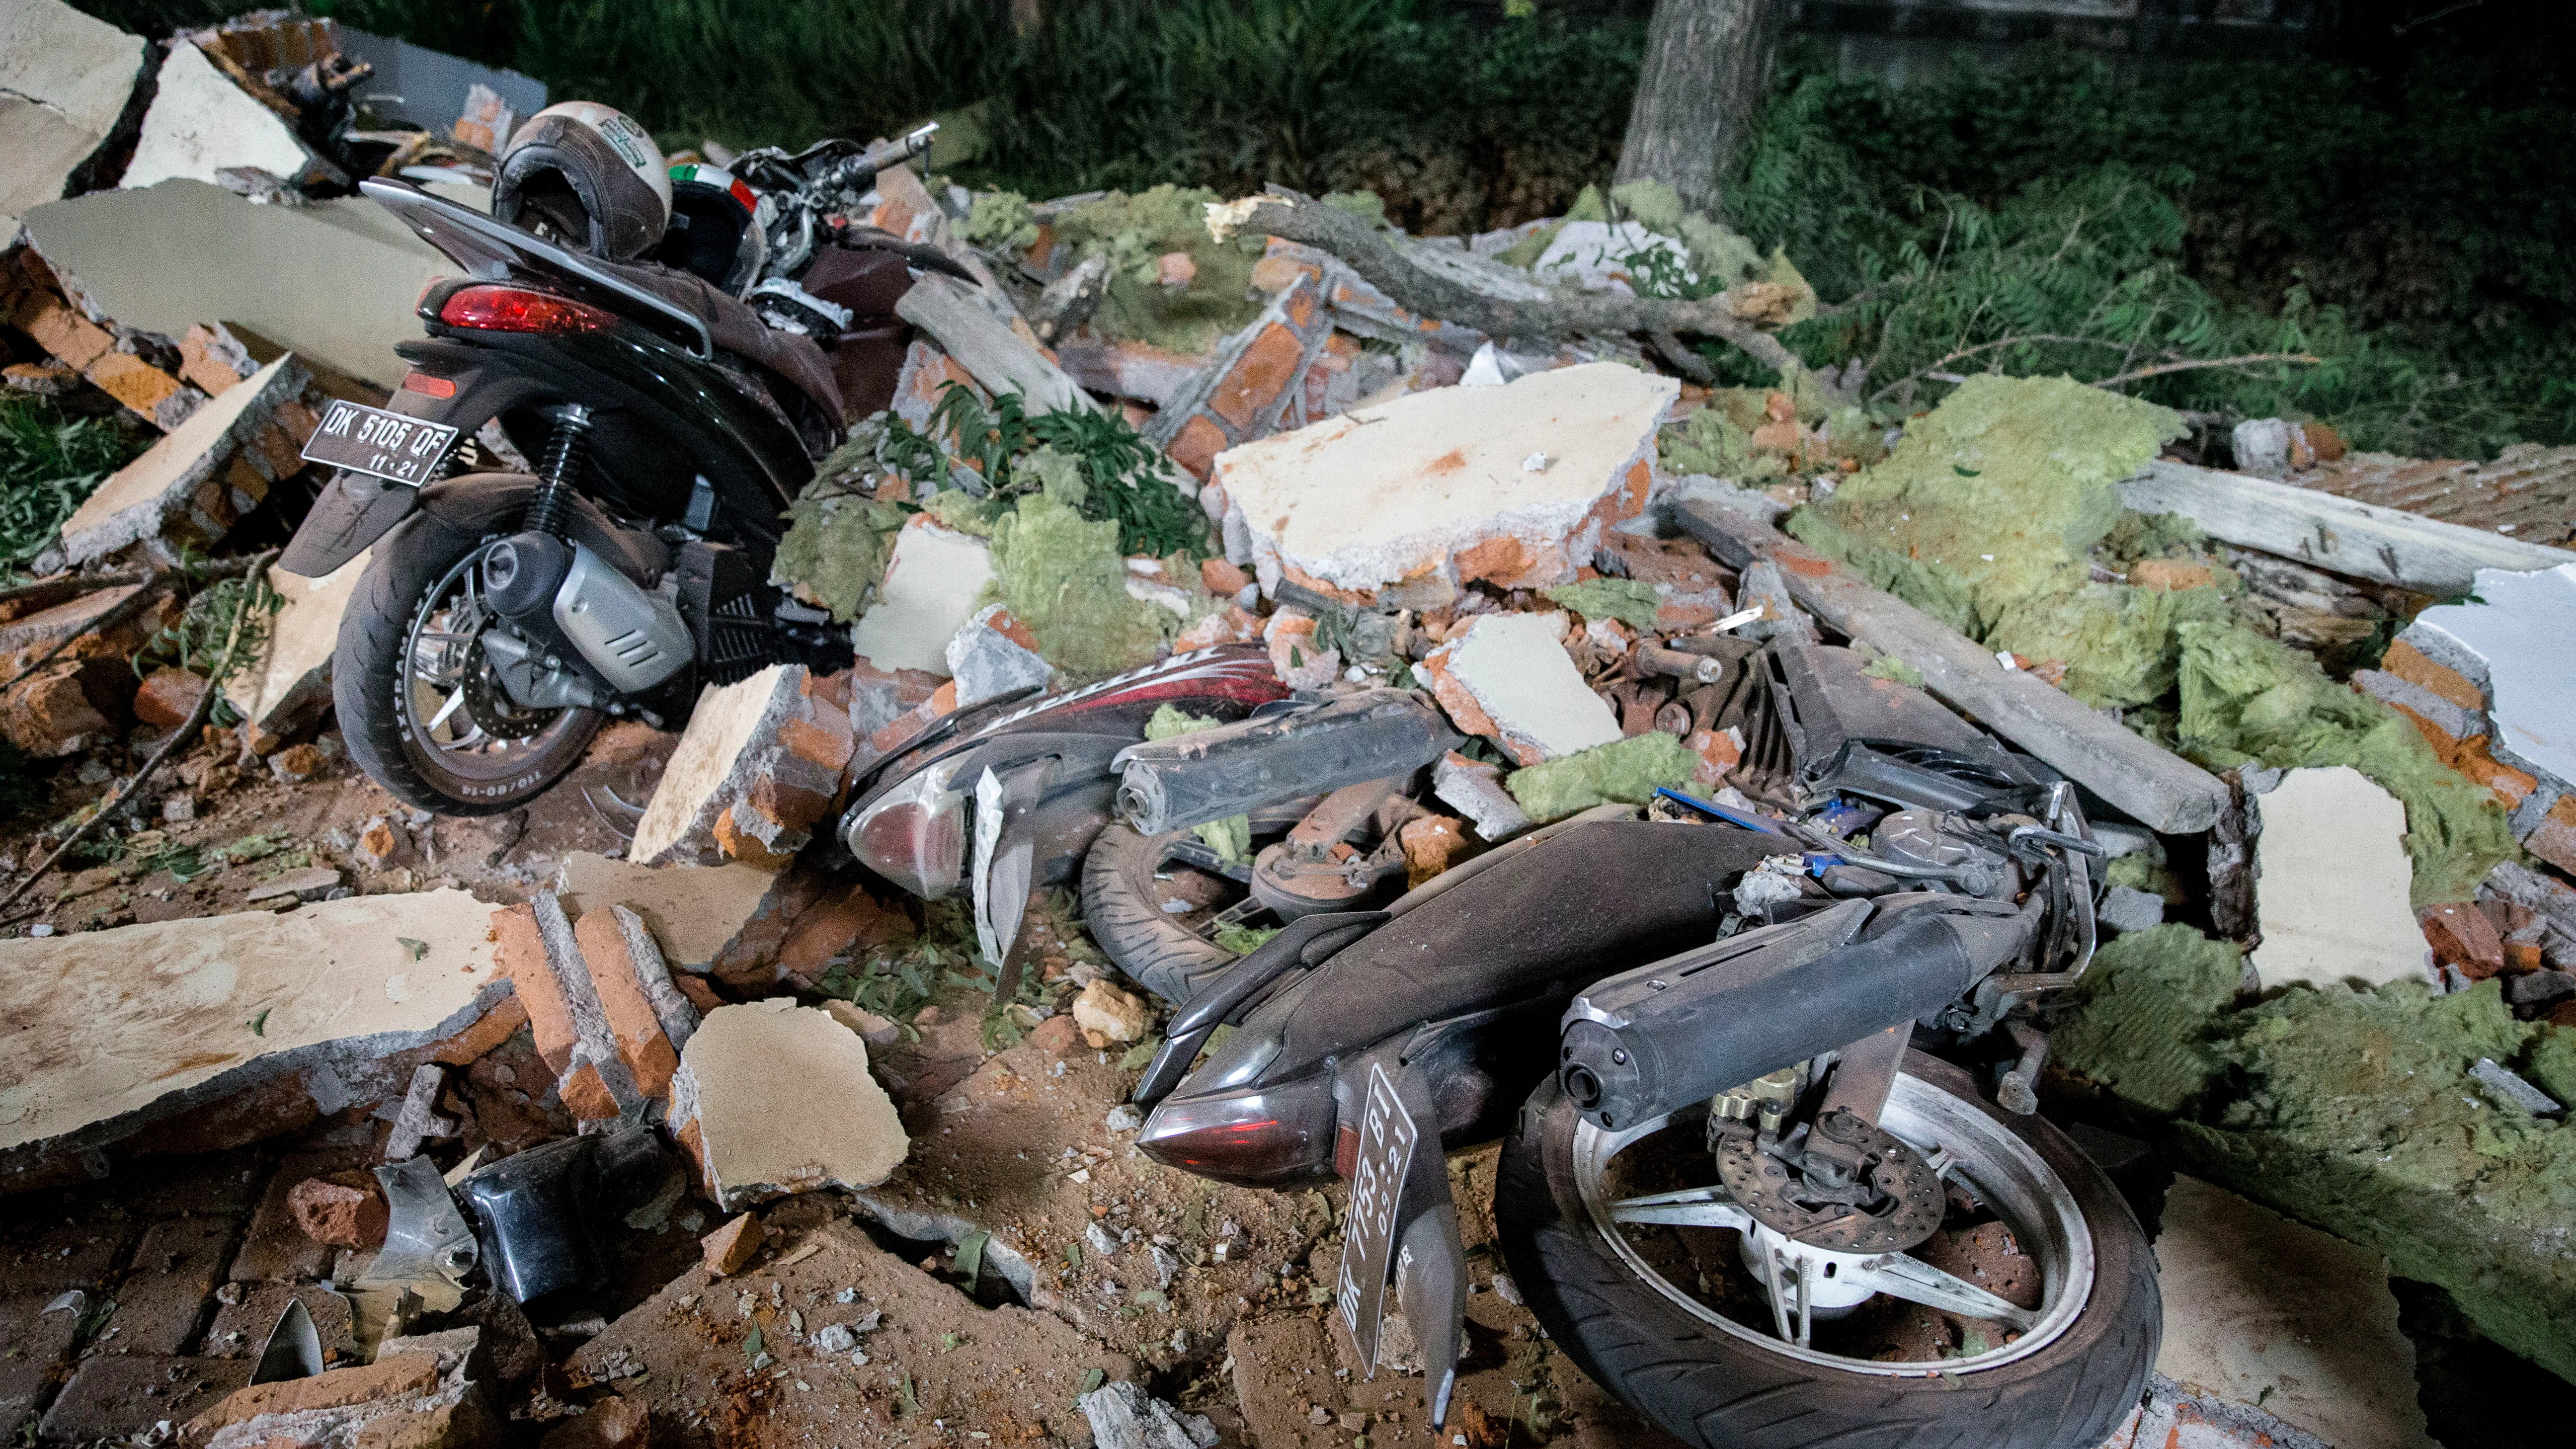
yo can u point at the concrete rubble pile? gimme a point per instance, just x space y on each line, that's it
793 1167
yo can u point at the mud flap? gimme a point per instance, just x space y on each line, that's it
1400 1209
1006 866
353 512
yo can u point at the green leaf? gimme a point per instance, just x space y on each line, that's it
1140 1054
1092 1381
751 1343
1073 1255
259 1023
970 1255
948 1341
418 949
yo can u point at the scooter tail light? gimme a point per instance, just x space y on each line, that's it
516 309
915 836
1257 1138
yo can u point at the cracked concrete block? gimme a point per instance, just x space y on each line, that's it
933 585
284 693
995 654
64 82
2331 883
1434 487
731 1105
1506 677
759 765
1475 789
693 911
111 1031
200 123
179 494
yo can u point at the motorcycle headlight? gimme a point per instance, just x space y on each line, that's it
1256 1137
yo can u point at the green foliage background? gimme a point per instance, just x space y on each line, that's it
2406 220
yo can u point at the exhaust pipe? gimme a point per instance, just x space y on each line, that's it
559 593
1653 1040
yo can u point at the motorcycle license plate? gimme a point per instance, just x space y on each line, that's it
1387 1139
386 445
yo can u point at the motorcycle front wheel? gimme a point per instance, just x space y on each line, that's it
420 706
2029 1320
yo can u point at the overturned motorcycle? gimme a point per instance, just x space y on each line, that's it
1783 1184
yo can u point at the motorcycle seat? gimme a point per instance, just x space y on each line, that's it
738 330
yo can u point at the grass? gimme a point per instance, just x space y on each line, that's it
49 462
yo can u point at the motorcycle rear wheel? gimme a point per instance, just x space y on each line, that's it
1718 1376
406 653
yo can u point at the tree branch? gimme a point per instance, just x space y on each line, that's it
2160 369
1283 213
178 740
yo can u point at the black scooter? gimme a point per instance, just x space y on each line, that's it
1738 1185
504 615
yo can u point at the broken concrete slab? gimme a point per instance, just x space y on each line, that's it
741 1064
111 1031
65 79
995 654
1507 677
1510 485
2331 883
430 88
336 279
759 764
2262 1310
284 693
934 583
982 342
2512 644
693 911
200 123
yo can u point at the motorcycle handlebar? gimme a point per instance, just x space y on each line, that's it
861 169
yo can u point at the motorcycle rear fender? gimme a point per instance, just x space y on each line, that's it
480 504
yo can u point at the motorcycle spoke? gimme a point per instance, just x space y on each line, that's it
1691 1207
1900 1276
455 702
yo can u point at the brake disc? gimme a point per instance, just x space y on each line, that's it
1909 1209
490 706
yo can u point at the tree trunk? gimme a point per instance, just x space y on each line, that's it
1708 63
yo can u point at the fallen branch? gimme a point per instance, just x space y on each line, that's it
1285 214
177 741
153 583
1932 371
2160 369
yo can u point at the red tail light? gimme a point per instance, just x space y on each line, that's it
1258 1138
510 309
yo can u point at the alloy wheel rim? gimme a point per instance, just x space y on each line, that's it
2003 1171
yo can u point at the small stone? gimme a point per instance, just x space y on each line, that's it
729 1249
178 809
310 883
875 1030
297 764
378 843
1125 1118
1108 1015
1429 842
346 1210
1175 270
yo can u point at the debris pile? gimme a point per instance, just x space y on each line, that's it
1215 564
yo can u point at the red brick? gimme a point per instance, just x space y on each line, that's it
63 332
1196 447
167 697
853 920
118 1395
521 951
2554 840
647 1051
2462 936
586 1096
399 1377
346 1210
137 384
2412 665
1223 579
1259 376
730 1249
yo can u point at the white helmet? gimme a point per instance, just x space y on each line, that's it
589 176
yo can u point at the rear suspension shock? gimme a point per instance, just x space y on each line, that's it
559 470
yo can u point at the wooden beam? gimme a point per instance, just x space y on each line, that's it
2168 794
2359 540
986 347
